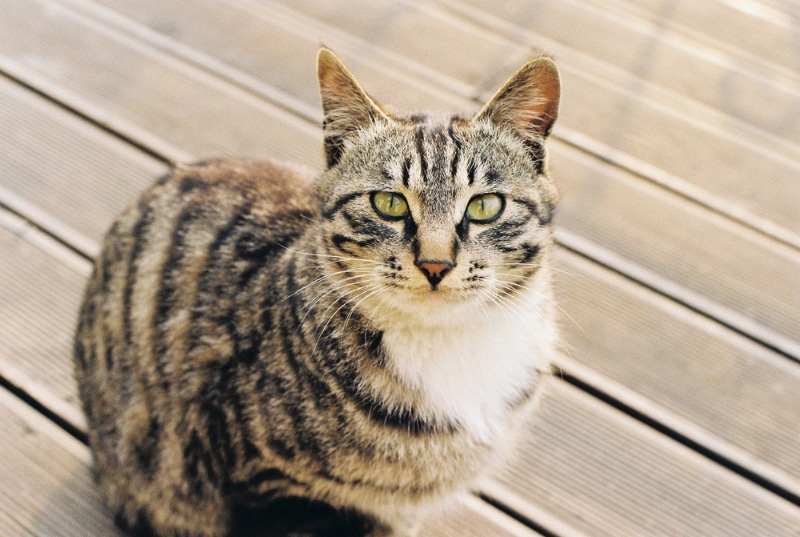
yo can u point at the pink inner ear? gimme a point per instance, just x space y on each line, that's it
528 101
345 104
347 108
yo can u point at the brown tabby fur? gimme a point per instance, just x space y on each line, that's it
251 333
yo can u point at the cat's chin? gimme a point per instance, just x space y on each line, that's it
437 307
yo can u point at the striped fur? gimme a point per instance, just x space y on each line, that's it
251 333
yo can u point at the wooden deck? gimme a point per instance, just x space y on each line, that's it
676 410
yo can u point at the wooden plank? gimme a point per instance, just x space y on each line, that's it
686 251
605 474
653 44
770 25
41 283
741 393
266 48
127 82
475 518
47 488
85 171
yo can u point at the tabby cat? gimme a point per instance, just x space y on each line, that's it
370 339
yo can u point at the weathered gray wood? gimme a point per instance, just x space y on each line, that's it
46 487
133 83
770 25
731 393
728 271
77 177
653 41
605 475
475 518
745 396
40 287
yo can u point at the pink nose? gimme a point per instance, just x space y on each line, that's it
434 270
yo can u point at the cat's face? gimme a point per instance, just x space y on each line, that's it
434 215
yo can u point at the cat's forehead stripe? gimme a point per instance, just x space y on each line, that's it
456 150
439 152
406 171
419 138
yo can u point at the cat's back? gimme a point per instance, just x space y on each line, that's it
199 237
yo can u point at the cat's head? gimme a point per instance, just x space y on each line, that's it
437 213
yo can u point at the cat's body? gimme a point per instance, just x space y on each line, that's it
371 339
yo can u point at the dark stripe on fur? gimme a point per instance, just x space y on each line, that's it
170 281
456 151
146 448
405 171
472 170
419 138
544 214
138 235
366 225
528 252
330 212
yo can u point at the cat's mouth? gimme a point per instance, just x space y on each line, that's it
442 297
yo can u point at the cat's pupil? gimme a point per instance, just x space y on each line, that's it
485 208
390 205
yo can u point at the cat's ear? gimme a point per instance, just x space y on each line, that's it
527 103
347 108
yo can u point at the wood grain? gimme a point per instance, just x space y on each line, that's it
86 179
47 487
606 475
712 264
126 78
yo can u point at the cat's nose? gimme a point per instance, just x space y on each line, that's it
434 270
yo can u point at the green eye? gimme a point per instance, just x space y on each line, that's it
390 205
485 208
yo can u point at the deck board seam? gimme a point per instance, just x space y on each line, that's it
114 127
675 292
714 456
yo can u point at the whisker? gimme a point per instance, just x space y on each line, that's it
330 289
330 256
516 302
537 265
510 287
370 290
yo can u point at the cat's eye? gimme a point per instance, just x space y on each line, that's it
485 208
390 205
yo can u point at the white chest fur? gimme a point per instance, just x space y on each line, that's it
470 369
